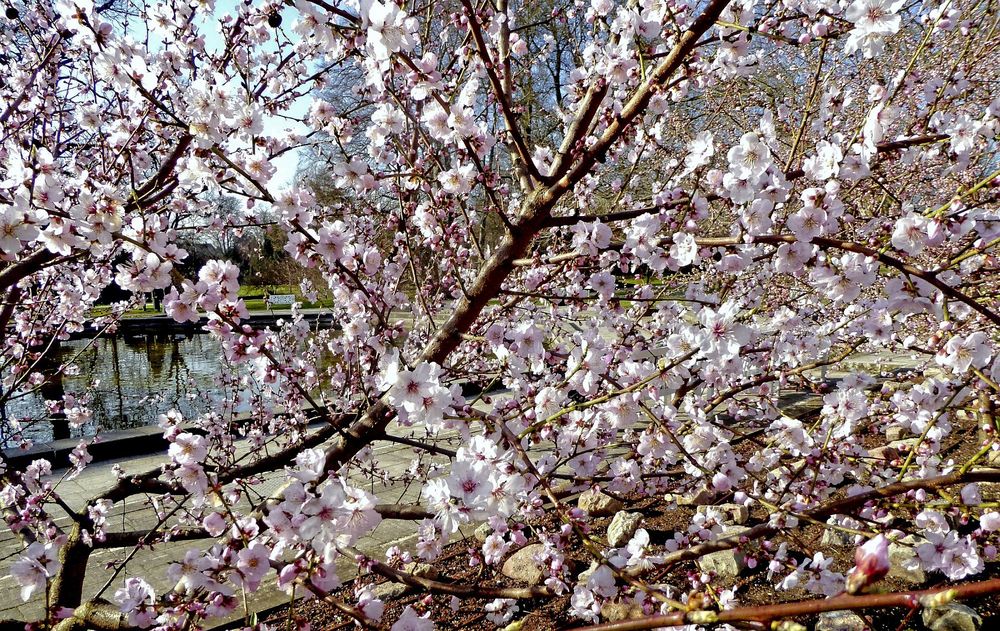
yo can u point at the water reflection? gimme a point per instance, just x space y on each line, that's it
136 378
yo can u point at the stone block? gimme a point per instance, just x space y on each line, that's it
725 564
616 612
834 538
388 591
482 532
736 513
840 621
521 566
952 617
423 570
895 433
900 554
598 504
622 527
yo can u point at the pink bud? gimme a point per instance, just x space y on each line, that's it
871 564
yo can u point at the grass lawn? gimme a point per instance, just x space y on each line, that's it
252 295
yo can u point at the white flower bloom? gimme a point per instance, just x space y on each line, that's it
701 149
873 21
137 598
188 449
458 180
910 234
875 16
410 621
825 164
961 353
685 249
750 158
389 30
990 522
38 564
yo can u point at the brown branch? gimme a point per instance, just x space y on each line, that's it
417 444
403 511
148 482
521 148
132 538
67 586
589 106
163 174
26 267
98 615
767 613
637 104
823 242
11 301
794 174
849 246
26 87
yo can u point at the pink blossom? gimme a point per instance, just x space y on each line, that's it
35 567
410 621
871 564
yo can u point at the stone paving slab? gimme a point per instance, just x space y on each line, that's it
137 514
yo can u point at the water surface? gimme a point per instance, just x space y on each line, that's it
131 382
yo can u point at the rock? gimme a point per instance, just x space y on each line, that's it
899 555
482 532
598 504
788 470
800 404
993 458
895 433
584 575
615 612
840 621
521 565
737 513
905 444
834 538
622 527
701 497
390 590
423 570
952 617
726 564
885 452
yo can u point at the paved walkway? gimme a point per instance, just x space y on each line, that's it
152 564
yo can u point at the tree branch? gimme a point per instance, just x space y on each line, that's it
767 613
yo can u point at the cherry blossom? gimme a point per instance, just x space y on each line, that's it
871 563
135 599
873 19
389 30
605 246
35 567
410 621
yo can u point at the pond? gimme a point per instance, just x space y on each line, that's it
130 382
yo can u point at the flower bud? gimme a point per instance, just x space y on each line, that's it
871 564
938 599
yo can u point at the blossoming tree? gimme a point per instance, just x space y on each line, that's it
618 234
